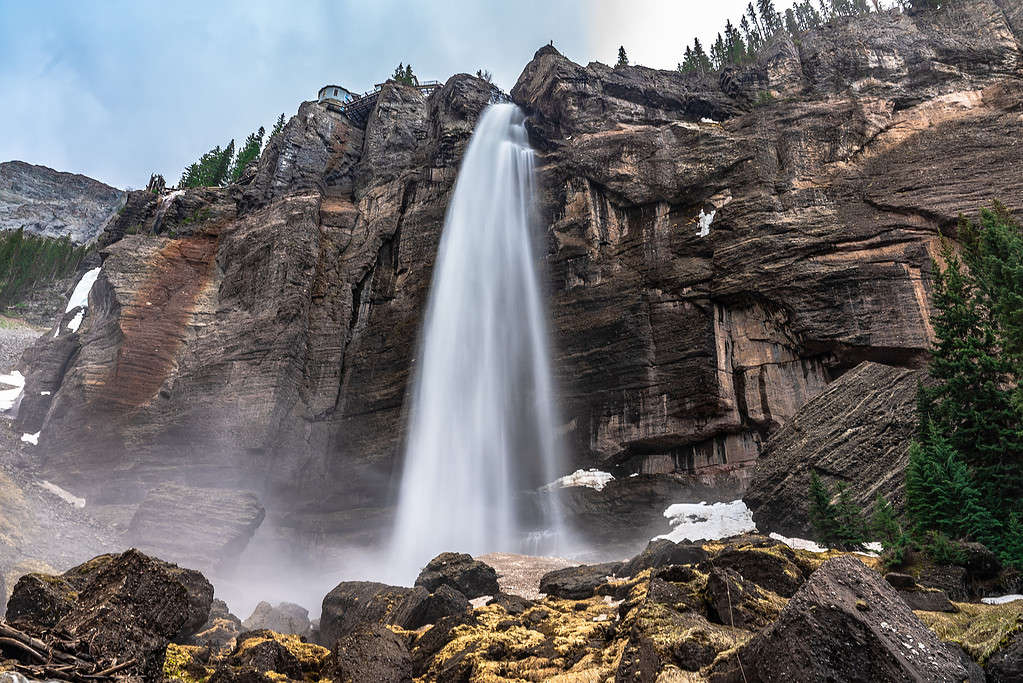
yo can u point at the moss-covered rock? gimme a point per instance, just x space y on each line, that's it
979 629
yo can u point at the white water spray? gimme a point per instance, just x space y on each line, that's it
481 426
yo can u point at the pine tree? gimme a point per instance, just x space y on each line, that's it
970 402
823 516
718 53
700 57
222 170
623 59
791 25
279 126
769 19
399 72
249 151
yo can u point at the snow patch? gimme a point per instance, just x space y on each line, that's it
44 393
31 438
708 120
80 295
1002 599
593 478
76 321
799 543
704 221
66 496
703 522
10 398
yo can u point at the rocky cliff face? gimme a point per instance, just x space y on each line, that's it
720 250
53 203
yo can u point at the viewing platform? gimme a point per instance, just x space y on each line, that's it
358 107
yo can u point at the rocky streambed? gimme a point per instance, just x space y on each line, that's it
748 608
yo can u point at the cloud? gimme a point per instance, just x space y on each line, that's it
122 89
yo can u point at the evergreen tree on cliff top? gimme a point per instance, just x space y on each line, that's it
623 59
211 170
249 151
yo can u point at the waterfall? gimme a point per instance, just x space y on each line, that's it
481 425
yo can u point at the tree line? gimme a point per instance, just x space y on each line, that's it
27 260
964 481
740 44
221 166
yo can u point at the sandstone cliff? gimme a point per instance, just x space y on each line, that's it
53 203
720 250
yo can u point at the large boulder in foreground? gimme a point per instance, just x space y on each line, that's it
857 431
845 623
371 653
122 607
354 603
469 577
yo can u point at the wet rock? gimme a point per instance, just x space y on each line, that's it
767 568
130 606
221 627
577 583
845 623
434 639
470 577
197 527
661 553
286 617
39 601
370 653
421 607
260 651
512 604
353 603
1006 664
734 601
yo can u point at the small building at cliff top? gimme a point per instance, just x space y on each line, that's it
335 94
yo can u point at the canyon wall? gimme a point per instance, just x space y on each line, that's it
720 249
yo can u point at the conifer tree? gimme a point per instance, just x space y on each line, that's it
278 126
249 151
769 19
623 59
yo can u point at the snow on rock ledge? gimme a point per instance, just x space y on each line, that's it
1002 599
66 496
10 398
593 478
703 522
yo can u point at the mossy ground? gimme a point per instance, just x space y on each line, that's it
979 629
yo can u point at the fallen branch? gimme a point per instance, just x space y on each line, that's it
12 642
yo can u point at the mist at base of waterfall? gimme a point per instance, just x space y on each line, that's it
482 419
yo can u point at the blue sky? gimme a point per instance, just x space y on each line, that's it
118 90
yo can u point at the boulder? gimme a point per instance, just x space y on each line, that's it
769 568
434 639
470 577
661 553
286 617
734 601
198 527
577 583
371 652
130 606
260 651
221 627
39 601
421 607
845 623
1006 664
512 604
353 603
857 431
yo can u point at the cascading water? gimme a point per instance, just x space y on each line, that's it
481 424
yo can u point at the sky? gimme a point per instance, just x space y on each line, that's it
118 90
